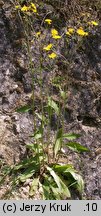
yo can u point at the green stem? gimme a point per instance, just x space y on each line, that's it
42 106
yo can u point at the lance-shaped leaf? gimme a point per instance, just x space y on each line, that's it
34 186
41 117
25 163
77 147
24 109
53 105
63 94
79 181
38 134
29 172
74 179
71 136
63 189
58 142
63 168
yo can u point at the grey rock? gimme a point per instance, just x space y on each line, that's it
16 128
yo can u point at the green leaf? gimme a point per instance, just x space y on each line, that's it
29 172
25 163
68 170
6 170
54 175
31 146
63 168
57 146
38 134
79 181
23 109
61 185
58 142
59 134
34 186
71 136
63 94
46 192
41 117
53 105
56 192
77 147
21 1
45 189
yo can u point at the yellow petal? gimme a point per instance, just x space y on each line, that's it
71 30
68 33
49 21
38 33
24 8
33 7
17 6
52 55
93 23
81 32
56 36
47 48
54 32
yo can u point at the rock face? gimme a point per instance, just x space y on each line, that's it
14 128
83 113
85 103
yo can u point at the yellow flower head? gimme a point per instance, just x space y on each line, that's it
38 33
24 8
33 8
93 23
48 21
68 33
52 55
81 32
71 30
47 48
55 34
17 6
